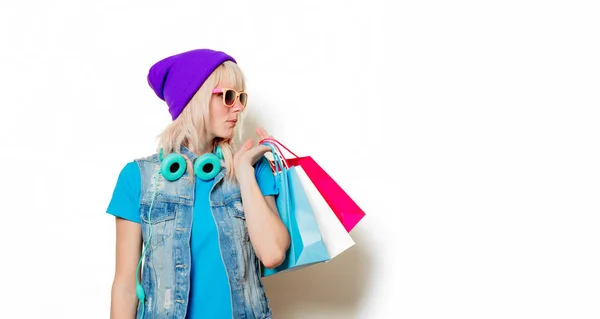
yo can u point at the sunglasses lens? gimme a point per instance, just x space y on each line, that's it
229 97
243 98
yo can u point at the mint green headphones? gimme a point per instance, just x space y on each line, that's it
206 167
172 167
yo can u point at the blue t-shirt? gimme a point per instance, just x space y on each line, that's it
209 289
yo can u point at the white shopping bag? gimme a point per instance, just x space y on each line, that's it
335 236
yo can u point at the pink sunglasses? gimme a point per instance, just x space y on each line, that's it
230 96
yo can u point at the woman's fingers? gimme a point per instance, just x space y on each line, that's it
262 134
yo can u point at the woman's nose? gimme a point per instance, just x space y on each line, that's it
238 107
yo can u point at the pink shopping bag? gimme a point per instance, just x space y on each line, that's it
344 207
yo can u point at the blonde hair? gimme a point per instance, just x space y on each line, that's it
190 128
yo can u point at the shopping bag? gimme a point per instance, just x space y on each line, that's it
344 207
306 242
336 238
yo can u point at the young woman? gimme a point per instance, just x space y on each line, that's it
195 221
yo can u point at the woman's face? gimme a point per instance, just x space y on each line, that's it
223 118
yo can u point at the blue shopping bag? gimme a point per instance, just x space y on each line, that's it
306 242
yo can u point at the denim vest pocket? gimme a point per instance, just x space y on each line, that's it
161 211
161 219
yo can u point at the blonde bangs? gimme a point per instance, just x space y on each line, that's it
231 72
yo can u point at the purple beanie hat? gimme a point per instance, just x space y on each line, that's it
177 78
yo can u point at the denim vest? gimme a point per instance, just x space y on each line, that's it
166 270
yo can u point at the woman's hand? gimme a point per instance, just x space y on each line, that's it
248 154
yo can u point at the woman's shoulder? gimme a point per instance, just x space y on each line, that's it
130 169
263 163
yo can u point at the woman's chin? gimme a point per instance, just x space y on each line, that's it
226 134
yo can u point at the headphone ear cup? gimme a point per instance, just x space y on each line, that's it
207 166
173 166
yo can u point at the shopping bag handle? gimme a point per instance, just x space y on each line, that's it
279 161
278 143
276 151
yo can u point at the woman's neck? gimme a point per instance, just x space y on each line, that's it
207 148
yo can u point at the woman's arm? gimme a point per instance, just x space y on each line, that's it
128 251
268 234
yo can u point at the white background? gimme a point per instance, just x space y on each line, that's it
467 131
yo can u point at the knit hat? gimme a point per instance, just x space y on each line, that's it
177 78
